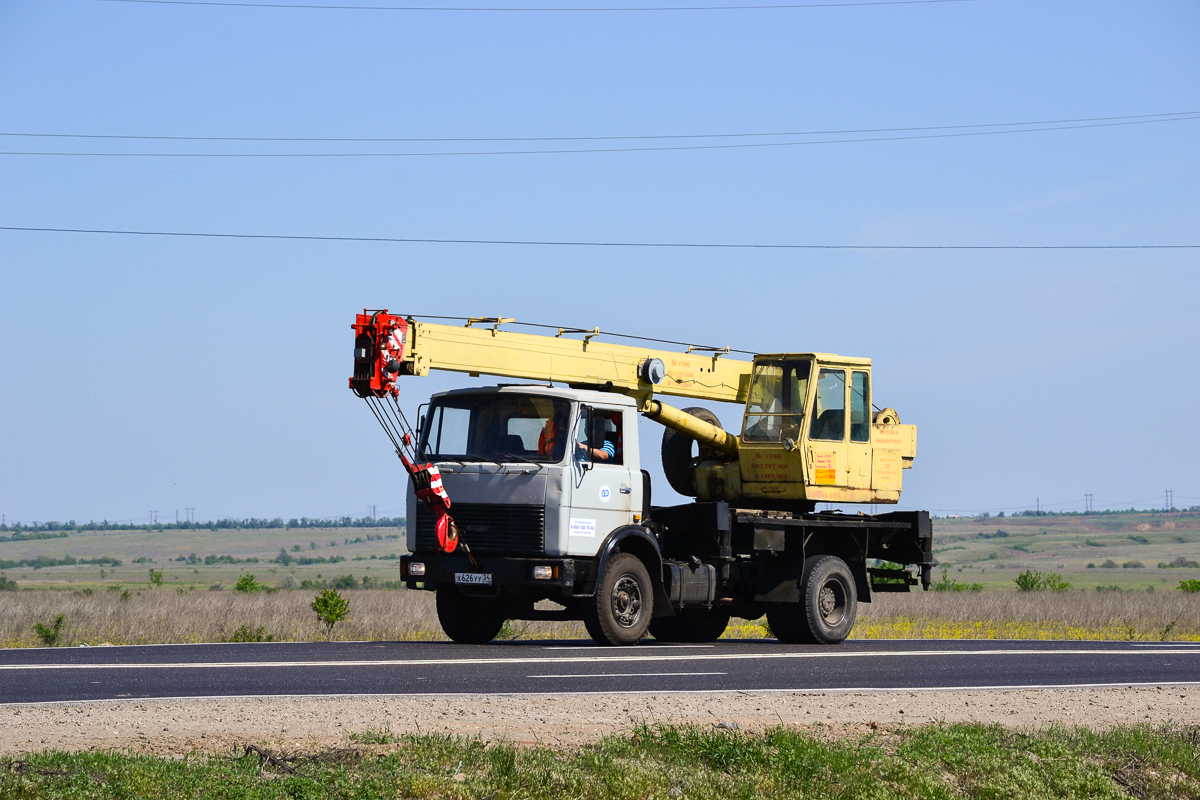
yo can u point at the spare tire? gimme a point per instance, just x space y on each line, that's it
677 453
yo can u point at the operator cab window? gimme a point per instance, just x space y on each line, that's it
829 415
775 408
598 436
860 407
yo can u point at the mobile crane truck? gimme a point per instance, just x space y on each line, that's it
534 491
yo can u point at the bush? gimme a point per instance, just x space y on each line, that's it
50 635
1030 581
156 578
247 634
6 585
1180 562
248 584
1132 565
1108 564
331 608
948 584
1189 586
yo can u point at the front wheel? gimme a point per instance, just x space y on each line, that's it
468 620
624 602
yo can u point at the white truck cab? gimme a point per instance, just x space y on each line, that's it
532 470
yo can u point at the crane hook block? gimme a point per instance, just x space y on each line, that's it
379 342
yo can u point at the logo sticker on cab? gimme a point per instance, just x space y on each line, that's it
605 494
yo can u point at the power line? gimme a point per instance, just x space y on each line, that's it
322 7
645 149
549 243
1159 117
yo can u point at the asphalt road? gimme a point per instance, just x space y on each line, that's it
331 668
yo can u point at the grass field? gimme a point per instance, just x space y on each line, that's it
358 551
930 761
149 616
117 604
992 551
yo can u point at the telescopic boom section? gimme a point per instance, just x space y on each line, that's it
387 346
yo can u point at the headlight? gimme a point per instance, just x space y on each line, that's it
416 569
543 573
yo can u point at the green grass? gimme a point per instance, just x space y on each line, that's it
933 761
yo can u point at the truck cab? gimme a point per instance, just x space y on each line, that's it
533 471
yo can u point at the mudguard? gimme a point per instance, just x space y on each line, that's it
640 542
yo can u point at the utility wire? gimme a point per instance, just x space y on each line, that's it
1160 117
593 150
756 7
541 243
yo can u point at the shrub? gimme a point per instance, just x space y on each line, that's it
247 583
1182 563
331 608
1189 586
345 582
948 584
1140 539
247 634
1028 581
6 585
156 578
50 635
1108 564
1132 565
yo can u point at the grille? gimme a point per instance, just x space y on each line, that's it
490 529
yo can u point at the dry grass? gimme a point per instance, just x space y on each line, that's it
161 616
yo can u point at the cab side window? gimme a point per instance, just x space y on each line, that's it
600 435
829 414
860 407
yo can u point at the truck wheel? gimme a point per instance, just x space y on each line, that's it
677 453
691 625
827 608
624 602
467 620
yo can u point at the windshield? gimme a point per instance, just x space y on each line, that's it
775 408
496 427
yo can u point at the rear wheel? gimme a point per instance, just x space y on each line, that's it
624 603
468 620
827 609
691 625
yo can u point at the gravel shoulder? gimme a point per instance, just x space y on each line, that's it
180 726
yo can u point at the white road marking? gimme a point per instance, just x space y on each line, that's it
713 656
624 674
656 692
629 647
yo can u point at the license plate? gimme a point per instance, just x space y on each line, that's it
474 578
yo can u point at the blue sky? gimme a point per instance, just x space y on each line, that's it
142 373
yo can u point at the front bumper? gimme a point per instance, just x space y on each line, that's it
440 569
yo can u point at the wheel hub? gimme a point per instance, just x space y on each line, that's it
626 602
830 604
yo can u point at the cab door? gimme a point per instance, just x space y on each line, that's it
827 453
602 488
858 449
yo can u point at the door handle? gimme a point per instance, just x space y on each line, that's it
626 490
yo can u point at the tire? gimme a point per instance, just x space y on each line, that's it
467 620
624 603
827 609
677 453
691 625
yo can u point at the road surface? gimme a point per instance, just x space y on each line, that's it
389 668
